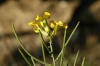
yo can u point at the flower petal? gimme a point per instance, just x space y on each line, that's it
63 25
31 23
38 18
36 30
46 15
60 23
52 24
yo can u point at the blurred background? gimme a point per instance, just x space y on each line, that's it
86 39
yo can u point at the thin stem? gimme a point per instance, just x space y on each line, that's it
25 48
43 42
43 53
42 47
52 55
83 61
76 58
67 41
63 49
25 58
72 34
33 61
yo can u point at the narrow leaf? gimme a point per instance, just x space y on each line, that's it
76 58
24 57
83 61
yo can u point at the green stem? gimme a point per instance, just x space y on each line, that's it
63 49
25 48
43 53
83 61
42 47
67 41
25 58
72 34
33 61
76 58
43 42
52 55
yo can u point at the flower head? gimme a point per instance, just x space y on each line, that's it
56 25
59 24
46 15
40 24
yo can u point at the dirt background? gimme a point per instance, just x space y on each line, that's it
20 12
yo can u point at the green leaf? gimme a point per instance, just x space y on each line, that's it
83 61
76 58
25 48
24 57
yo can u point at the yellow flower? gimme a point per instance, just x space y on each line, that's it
44 23
34 25
62 25
37 18
59 24
55 25
41 24
46 15
38 27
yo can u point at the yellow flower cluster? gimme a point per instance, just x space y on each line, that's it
40 24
